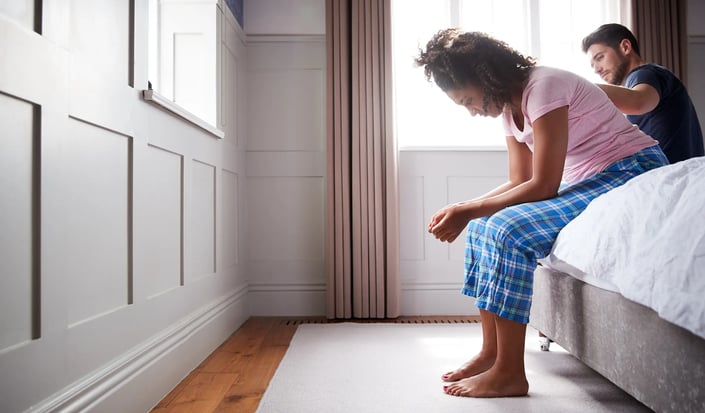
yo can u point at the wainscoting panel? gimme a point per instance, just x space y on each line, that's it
290 123
202 230
19 301
98 221
230 219
285 245
411 214
163 226
274 234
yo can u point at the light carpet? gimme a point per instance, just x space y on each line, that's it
368 368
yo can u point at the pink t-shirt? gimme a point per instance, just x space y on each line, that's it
598 134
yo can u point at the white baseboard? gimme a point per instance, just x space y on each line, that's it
292 300
278 300
139 379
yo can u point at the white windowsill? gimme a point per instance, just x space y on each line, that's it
469 148
159 100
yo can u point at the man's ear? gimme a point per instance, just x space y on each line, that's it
625 46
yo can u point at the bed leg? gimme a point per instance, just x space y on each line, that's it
544 342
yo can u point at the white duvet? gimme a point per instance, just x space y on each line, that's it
646 241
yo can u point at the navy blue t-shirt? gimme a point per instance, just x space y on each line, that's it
673 123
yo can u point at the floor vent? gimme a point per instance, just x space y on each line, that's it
400 320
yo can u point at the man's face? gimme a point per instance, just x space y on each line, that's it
610 64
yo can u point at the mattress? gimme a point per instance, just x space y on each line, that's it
646 241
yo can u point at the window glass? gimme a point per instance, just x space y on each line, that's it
549 30
182 65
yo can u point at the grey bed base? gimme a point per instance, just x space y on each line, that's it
660 364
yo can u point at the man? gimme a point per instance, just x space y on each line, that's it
651 96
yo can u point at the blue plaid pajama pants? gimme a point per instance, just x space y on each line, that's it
502 250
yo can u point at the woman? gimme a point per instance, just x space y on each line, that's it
559 128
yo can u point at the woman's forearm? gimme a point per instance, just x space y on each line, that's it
496 200
507 186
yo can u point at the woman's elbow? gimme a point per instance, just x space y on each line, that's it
546 190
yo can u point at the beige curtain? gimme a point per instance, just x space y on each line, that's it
660 28
362 195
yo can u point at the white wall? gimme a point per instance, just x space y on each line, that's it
432 272
122 258
286 156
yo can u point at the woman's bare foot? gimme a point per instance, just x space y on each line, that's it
476 365
491 383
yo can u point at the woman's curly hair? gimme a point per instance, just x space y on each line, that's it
455 59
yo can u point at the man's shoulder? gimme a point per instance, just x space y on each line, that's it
649 71
654 75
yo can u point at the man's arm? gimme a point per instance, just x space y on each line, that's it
638 100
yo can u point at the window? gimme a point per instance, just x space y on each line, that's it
183 59
549 30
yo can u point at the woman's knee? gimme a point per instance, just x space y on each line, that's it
477 227
502 228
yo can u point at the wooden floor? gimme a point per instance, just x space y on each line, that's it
234 377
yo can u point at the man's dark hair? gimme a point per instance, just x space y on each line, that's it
611 34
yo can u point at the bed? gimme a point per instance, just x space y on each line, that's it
623 289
